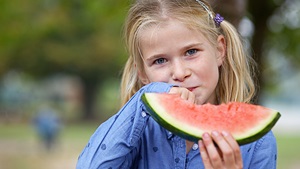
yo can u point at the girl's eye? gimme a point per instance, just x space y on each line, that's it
191 52
160 61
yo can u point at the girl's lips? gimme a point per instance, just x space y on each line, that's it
191 88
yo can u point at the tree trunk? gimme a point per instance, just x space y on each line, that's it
90 93
261 12
232 10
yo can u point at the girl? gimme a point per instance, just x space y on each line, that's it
178 46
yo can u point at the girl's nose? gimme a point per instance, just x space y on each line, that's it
180 71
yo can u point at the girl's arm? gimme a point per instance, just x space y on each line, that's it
114 143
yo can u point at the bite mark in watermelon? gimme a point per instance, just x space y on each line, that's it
246 122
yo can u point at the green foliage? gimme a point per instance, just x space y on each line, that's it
50 36
282 46
284 26
80 38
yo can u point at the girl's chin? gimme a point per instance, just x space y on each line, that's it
201 101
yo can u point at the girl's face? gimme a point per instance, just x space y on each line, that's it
175 54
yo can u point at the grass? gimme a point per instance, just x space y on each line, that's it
288 151
20 148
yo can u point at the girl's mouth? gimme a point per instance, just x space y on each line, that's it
191 88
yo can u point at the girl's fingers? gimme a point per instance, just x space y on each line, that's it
204 155
235 148
212 152
184 93
220 150
227 152
191 97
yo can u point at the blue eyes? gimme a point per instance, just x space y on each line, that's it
160 61
189 52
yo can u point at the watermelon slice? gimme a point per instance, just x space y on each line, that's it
246 122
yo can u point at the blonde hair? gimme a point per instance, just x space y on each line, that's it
236 73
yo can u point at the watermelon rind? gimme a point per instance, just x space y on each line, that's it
194 134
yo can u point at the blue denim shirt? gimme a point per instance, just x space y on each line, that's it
132 139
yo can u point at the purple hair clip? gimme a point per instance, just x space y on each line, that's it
218 19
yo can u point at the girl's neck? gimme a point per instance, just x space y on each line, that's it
188 145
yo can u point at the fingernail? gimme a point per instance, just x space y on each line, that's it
224 133
205 136
215 133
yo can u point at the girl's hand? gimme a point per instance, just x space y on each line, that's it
224 154
184 93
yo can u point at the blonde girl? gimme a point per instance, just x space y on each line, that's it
182 47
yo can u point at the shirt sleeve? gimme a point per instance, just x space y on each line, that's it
265 153
114 144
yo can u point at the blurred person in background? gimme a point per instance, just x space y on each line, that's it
48 125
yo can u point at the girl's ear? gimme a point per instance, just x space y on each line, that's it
221 53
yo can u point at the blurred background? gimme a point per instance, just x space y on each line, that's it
61 63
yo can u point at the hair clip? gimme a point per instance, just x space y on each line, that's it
218 19
206 8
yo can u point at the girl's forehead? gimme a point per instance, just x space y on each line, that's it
171 27
169 39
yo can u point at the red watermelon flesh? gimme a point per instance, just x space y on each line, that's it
246 122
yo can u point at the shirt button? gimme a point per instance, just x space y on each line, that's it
195 147
144 114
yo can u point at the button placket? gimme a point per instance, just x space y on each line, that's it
195 146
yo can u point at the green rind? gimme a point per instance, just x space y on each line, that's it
165 124
176 130
261 133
